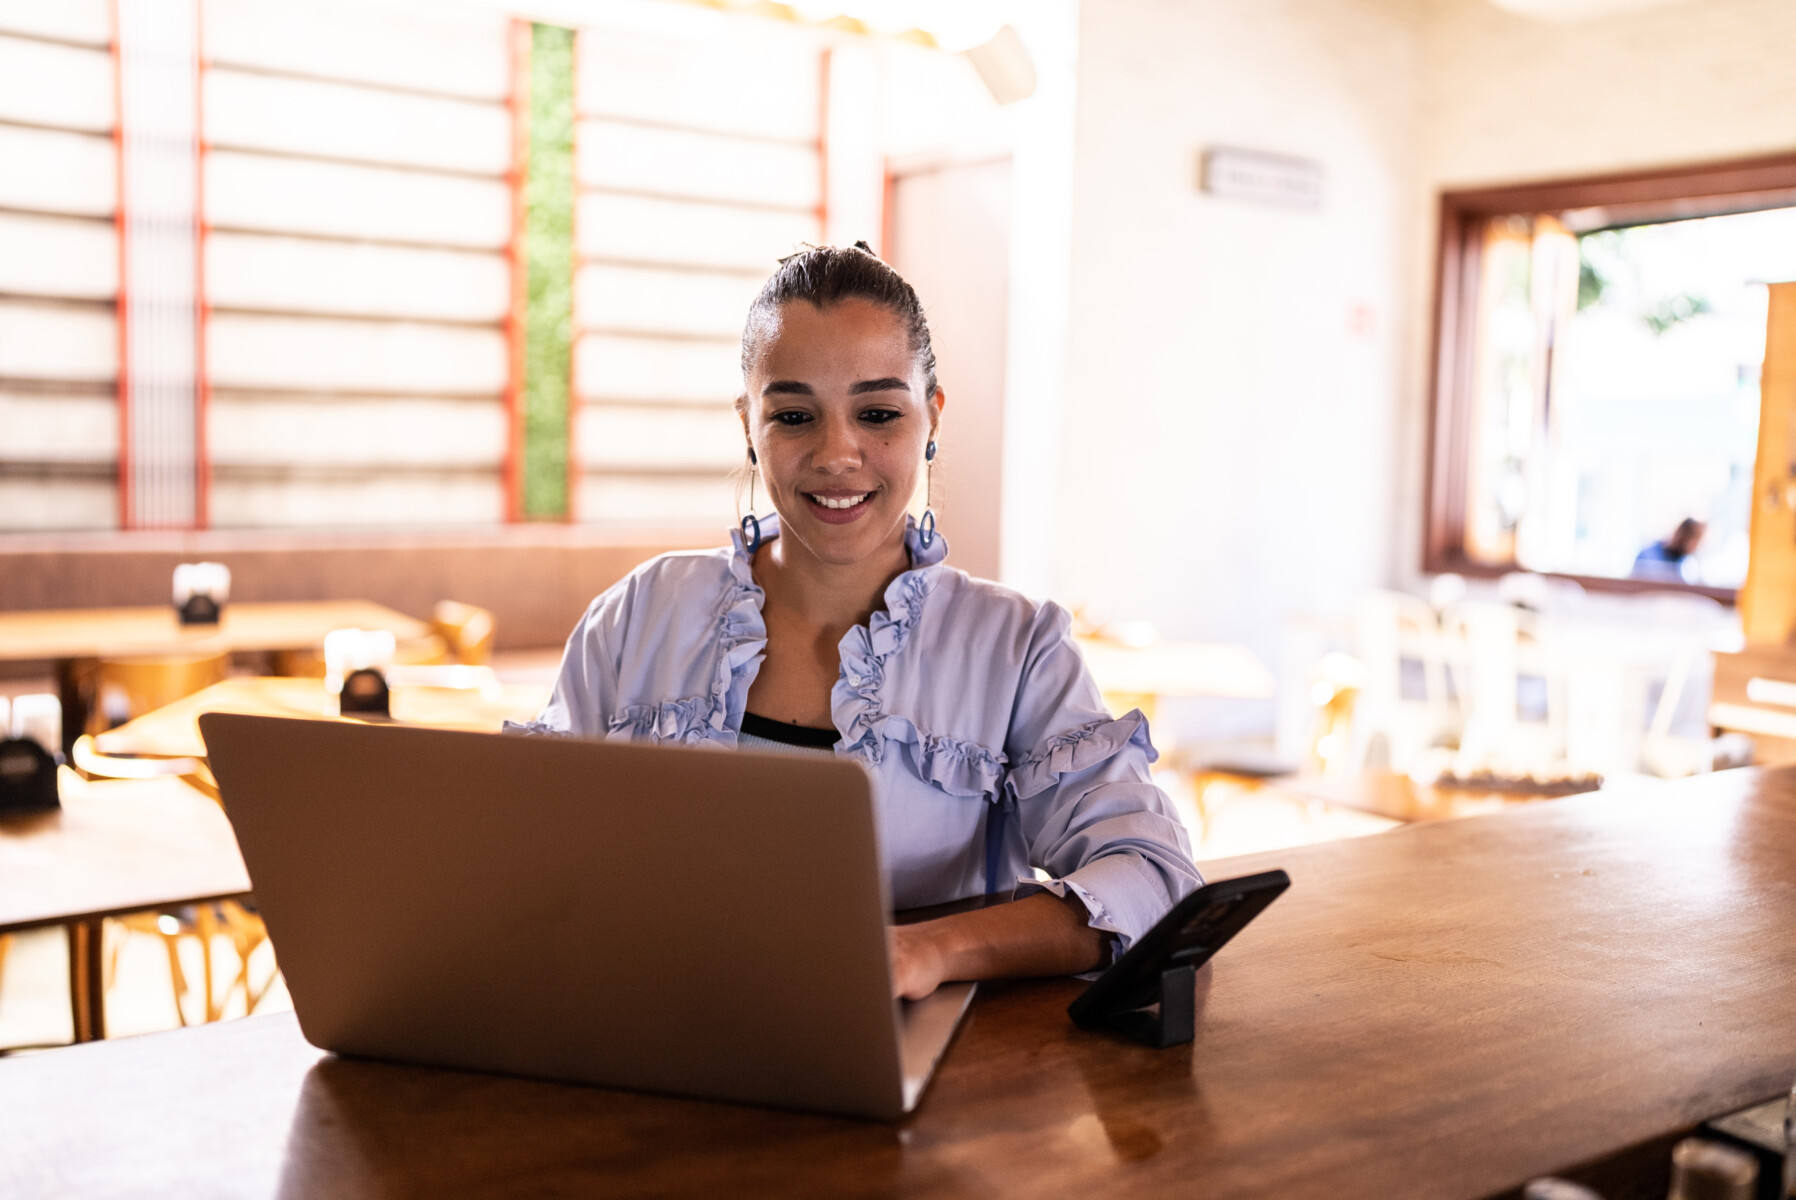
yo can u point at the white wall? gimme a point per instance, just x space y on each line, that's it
1511 99
1229 438
1234 453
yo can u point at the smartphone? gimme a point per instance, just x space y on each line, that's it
1188 936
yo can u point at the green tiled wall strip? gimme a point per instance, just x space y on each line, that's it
547 255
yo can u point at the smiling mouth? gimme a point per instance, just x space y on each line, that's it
839 502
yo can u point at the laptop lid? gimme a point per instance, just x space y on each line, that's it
690 921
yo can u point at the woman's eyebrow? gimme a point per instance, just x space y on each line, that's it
787 387
888 384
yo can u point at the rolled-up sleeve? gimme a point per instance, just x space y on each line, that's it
1086 805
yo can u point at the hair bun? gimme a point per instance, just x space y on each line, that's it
866 247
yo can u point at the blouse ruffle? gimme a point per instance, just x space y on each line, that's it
957 766
741 644
1078 750
682 721
857 697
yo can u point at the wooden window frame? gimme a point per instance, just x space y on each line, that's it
1700 190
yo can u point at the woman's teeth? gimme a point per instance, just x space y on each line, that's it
844 502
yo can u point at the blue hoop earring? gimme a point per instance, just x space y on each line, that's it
751 525
926 526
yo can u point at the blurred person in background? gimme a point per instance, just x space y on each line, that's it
1672 559
832 626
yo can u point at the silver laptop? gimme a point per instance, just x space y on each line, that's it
692 921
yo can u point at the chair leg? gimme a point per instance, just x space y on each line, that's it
246 932
177 978
258 995
206 925
116 935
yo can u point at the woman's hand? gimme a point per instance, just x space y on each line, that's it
1037 935
918 965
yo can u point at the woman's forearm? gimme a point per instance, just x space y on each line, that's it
1037 935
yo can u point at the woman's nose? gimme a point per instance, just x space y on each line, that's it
839 449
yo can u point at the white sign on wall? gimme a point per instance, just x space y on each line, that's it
1260 177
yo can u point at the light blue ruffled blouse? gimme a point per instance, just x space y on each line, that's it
990 748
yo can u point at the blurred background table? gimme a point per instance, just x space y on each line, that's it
1177 669
1397 797
173 731
75 638
115 847
69 633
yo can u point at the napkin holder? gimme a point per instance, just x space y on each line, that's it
27 777
355 663
365 694
200 592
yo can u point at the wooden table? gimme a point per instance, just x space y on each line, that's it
173 731
1400 798
1442 1011
116 846
72 637
109 632
1755 693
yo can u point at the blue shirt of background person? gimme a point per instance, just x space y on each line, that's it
1673 559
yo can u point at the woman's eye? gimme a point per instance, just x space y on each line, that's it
880 416
794 417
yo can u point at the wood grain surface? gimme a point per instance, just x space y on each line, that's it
1441 1011
108 632
116 846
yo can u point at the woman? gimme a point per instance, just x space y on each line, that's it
833 624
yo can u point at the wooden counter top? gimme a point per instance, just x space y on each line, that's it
1441 1011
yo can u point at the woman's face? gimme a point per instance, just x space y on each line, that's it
838 419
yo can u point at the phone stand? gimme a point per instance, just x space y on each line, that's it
1170 1022
1150 993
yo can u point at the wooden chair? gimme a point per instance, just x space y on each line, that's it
467 630
86 757
227 917
126 688
1390 729
129 687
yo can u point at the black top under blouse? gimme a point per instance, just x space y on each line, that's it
806 736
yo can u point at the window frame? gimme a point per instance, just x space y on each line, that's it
1633 197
